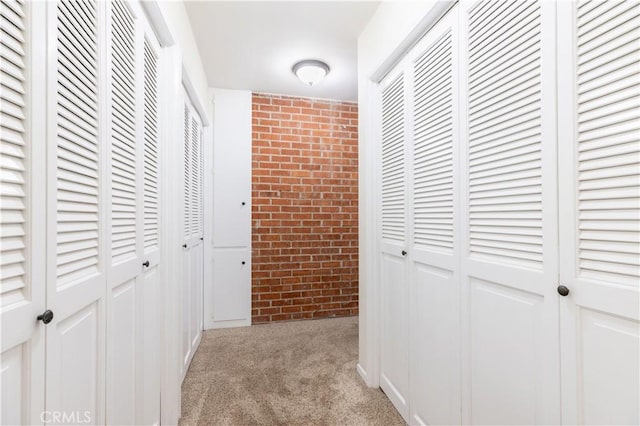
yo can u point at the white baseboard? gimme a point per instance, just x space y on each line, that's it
227 324
363 374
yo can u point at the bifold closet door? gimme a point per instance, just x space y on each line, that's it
22 207
193 270
125 179
394 318
435 254
599 123
151 293
509 227
133 313
77 205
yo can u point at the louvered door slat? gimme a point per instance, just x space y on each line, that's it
433 147
123 134
393 162
608 137
150 148
505 133
13 155
77 129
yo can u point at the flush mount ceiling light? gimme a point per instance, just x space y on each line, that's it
311 71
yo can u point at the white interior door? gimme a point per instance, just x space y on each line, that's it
77 206
509 228
133 303
394 321
187 352
193 268
124 293
22 206
435 253
599 104
195 242
228 297
151 314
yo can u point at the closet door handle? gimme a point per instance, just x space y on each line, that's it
243 262
563 290
243 203
46 317
145 263
184 245
404 252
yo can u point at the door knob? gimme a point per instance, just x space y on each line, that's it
145 263
563 290
243 203
46 317
184 245
404 253
243 262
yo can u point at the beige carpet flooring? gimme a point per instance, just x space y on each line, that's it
293 373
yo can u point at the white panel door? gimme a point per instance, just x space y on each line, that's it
394 321
435 282
509 227
599 105
232 287
232 169
77 205
22 196
228 296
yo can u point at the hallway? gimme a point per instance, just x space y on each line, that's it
293 373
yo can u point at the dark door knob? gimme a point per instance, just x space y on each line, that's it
243 203
145 263
243 262
46 317
404 253
184 245
563 290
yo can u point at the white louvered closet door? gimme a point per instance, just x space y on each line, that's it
193 234
435 252
124 292
187 352
195 243
509 226
394 319
22 196
150 318
77 258
599 122
133 336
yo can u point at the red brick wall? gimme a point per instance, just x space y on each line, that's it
305 208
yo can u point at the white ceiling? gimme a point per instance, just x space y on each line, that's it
253 45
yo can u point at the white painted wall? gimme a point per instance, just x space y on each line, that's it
178 22
390 26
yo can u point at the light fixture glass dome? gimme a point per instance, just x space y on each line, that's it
311 71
